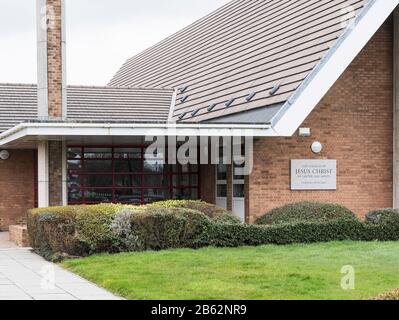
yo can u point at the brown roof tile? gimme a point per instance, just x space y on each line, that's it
245 46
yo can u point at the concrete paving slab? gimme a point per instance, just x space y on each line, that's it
27 276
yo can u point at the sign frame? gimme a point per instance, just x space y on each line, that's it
313 175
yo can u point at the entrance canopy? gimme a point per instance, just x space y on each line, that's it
27 135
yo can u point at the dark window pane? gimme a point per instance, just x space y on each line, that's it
127 181
221 191
74 153
75 165
128 195
98 181
157 155
152 195
185 168
184 180
102 166
74 181
185 194
127 153
98 153
194 180
154 166
238 191
128 166
156 181
222 172
74 195
239 167
98 195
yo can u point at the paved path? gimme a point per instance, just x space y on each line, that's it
27 276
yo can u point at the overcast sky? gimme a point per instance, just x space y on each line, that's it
101 34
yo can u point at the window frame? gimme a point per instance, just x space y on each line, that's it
169 187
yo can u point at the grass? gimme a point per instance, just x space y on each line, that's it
267 272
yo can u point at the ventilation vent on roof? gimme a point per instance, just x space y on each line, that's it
183 99
195 112
230 102
211 107
181 117
183 89
250 96
276 88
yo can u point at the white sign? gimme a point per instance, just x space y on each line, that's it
313 174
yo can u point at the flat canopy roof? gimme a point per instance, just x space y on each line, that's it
26 135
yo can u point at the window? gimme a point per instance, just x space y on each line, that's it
126 175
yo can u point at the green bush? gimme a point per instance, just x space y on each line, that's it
390 296
160 228
60 232
214 212
383 216
306 212
303 232
72 231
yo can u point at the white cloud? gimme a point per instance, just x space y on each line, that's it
101 34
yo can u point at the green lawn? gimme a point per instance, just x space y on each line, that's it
267 272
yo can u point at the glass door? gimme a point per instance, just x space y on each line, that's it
239 192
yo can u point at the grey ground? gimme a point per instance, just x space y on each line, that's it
27 276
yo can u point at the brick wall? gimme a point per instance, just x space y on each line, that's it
17 186
354 123
54 56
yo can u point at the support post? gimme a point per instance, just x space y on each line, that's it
43 174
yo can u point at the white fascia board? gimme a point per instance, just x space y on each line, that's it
331 67
124 130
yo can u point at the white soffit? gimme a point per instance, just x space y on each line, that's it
331 67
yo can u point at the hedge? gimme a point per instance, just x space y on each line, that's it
390 296
306 212
57 232
82 230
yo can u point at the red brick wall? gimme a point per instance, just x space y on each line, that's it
354 124
17 185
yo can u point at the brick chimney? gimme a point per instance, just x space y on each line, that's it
51 59
51 82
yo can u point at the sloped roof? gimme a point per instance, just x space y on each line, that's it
18 103
263 49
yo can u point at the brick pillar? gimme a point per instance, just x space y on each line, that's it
51 59
55 150
51 98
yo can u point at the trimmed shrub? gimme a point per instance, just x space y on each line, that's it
306 212
60 232
160 228
391 295
383 216
383 224
212 211
303 232
57 232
